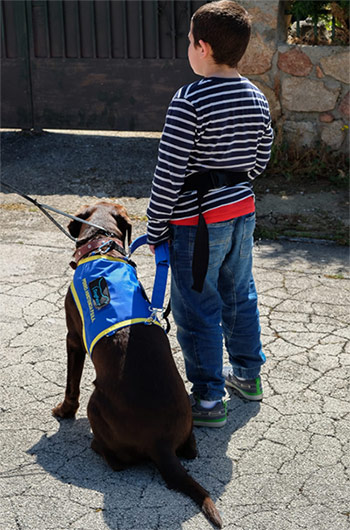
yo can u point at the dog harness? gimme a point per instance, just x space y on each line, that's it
108 296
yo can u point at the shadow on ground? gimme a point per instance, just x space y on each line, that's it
55 163
138 493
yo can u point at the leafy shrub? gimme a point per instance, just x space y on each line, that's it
319 22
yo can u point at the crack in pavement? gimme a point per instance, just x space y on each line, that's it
270 467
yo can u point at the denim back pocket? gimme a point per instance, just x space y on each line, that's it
247 237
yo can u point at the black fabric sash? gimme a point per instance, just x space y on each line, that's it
202 182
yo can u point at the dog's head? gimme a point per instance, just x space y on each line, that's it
110 216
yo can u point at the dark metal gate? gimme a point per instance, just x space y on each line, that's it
92 64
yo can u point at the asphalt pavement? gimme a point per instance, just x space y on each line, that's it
282 464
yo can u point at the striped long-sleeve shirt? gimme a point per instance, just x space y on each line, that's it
214 123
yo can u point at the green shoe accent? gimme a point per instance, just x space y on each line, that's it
202 417
250 389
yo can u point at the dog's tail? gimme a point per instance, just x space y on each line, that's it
176 477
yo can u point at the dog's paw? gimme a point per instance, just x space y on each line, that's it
63 410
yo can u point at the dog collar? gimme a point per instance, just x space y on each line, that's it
102 244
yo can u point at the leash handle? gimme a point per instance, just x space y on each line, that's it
162 266
138 242
160 280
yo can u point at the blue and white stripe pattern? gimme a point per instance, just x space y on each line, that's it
212 123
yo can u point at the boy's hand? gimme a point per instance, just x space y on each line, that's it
153 247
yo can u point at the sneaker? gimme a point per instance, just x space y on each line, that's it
250 389
202 417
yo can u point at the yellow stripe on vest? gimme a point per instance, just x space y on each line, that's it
120 325
80 309
98 256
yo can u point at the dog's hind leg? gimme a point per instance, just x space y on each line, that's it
189 449
103 435
110 457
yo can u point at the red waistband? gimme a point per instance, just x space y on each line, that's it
223 213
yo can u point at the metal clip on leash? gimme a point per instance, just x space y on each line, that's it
105 247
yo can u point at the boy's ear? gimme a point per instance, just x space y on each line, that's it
206 49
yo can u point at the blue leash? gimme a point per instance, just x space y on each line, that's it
160 280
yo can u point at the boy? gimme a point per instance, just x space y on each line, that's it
216 139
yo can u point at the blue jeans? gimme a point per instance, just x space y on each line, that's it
225 309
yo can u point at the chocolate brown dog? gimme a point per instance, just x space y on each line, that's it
139 408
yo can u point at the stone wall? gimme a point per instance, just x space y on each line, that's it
307 86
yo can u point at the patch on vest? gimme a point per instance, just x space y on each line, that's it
99 292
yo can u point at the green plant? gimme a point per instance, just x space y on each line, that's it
316 163
334 16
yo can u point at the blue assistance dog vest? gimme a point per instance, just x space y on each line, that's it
109 297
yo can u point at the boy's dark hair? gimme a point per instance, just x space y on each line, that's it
224 25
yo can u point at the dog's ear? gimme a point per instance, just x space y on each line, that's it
74 226
123 222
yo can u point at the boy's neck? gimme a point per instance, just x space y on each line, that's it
220 70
